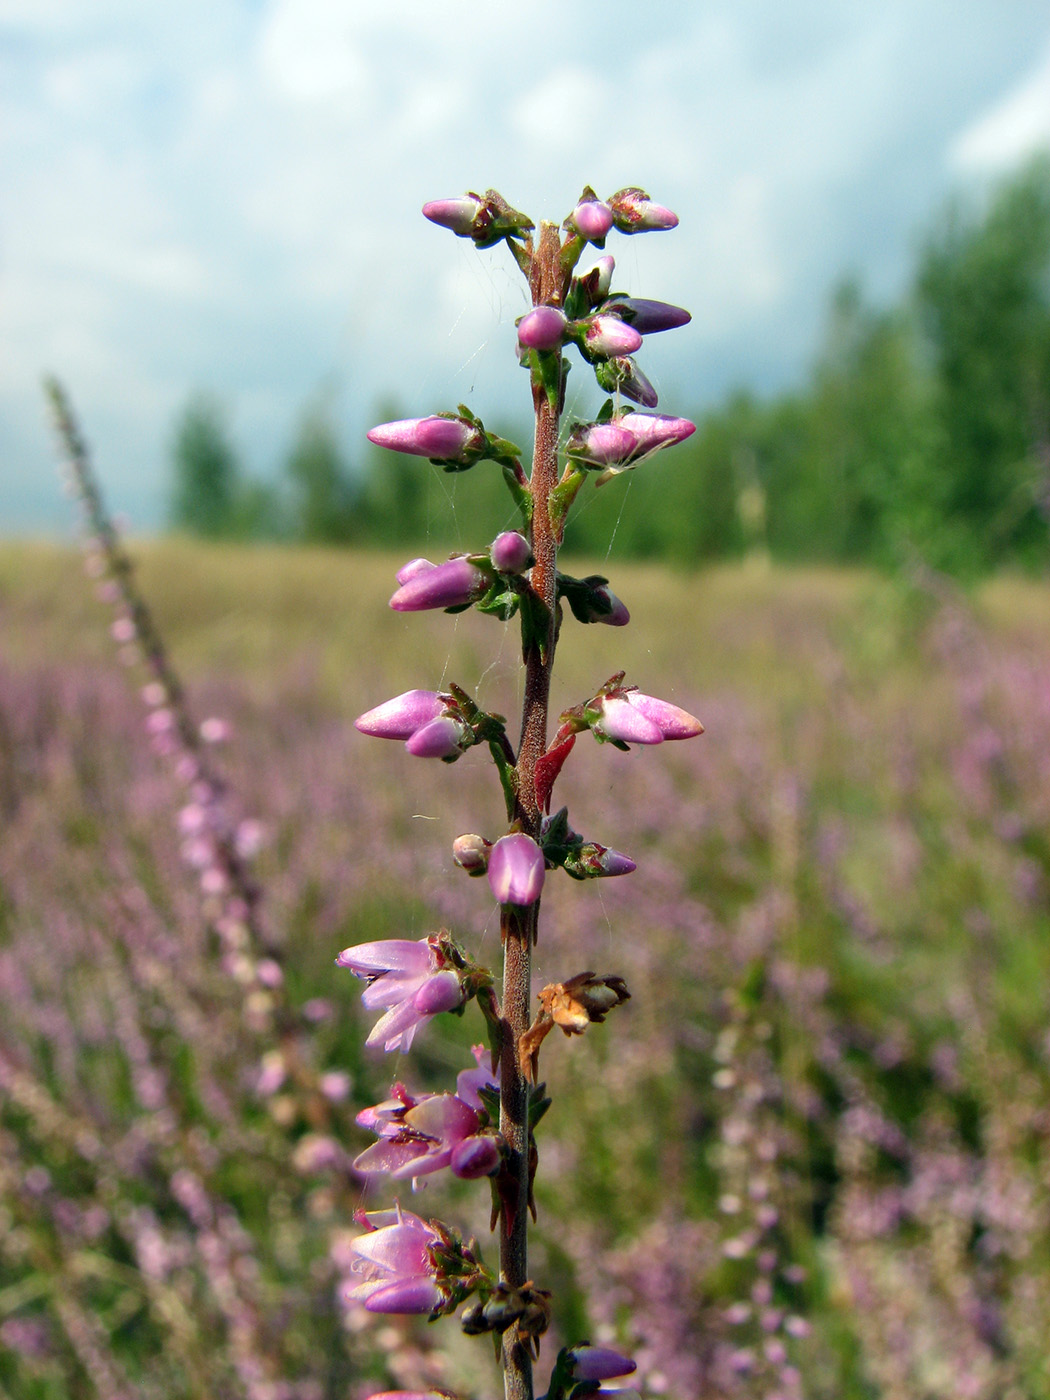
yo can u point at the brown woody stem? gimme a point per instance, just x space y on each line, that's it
547 284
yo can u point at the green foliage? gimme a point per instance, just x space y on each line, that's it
206 472
323 496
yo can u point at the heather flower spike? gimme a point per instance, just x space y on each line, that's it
486 1127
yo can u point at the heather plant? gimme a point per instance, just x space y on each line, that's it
487 1128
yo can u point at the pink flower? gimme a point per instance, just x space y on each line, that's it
634 212
441 439
470 1081
607 336
409 980
629 717
542 328
418 1136
393 1257
444 737
510 552
400 717
592 219
455 214
453 584
516 869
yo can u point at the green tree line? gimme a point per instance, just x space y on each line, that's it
921 433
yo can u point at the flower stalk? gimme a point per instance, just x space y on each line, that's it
424 1268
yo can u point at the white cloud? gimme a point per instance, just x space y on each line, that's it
1014 127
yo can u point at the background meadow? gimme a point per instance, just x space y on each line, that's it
820 1127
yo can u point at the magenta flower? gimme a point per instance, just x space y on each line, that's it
417 1137
630 717
510 552
395 1261
516 869
654 430
444 737
602 444
592 219
599 1363
455 214
409 980
634 212
542 328
608 336
442 439
648 317
400 717
453 584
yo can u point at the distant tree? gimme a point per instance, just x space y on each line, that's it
323 494
206 474
983 292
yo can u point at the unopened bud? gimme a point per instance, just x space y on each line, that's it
510 553
444 737
471 853
592 219
634 212
542 328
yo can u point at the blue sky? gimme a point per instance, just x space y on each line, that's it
226 195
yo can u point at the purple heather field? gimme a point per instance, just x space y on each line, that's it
810 1157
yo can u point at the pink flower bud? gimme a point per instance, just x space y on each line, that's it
401 717
441 738
592 219
123 630
214 730
648 317
475 1157
601 444
599 1363
412 568
510 552
471 853
608 337
633 718
449 585
653 430
542 328
634 212
458 215
516 869
440 992
442 439
617 614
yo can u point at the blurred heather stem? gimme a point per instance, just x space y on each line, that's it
241 890
546 283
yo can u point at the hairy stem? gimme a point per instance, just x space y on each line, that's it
547 287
